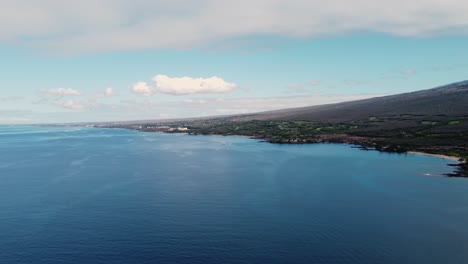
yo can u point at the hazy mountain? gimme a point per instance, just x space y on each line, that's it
448 100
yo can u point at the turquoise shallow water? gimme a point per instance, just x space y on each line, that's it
79 195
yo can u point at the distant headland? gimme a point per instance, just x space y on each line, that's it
433 121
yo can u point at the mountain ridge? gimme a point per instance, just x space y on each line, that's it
415 103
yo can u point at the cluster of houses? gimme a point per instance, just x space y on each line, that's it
163 128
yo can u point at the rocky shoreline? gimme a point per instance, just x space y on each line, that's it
366 143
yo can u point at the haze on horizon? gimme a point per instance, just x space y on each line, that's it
127 60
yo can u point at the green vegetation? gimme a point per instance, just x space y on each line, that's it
392 133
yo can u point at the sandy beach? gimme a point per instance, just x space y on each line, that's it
436 155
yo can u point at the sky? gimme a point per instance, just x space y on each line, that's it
116 60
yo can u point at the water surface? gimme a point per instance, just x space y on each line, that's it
83 195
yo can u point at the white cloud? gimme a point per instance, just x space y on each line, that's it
92 26
142 88
183 86
188 85
61 97
60 92
108 92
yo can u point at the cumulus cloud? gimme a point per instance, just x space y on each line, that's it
142 88
92 26
183 86
188 85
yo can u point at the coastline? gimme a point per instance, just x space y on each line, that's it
364 143
453 158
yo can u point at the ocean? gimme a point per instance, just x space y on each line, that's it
89 195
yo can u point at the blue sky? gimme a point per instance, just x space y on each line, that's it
127 60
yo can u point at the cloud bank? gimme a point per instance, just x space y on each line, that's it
61 98
108 25
71 99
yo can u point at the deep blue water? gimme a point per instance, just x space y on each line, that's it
75 195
